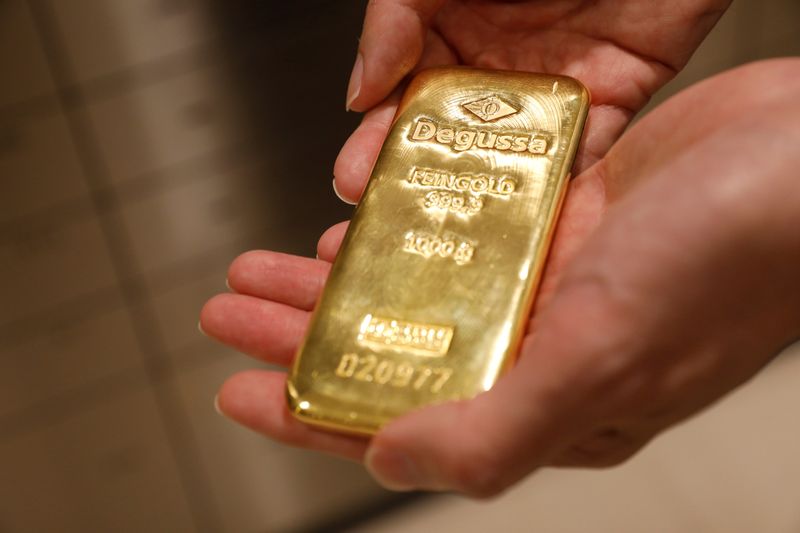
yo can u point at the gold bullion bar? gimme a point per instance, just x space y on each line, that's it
428 298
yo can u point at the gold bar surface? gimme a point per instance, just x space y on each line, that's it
430 293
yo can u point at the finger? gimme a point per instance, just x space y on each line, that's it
604 125
437 53
528 417
357 157
481 446
392 43
581 214
440 449
287 279
267 330
524 421
257 400
331 241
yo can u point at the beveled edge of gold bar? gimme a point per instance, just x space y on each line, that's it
366 425
304 406
422 76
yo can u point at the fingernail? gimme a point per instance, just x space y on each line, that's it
354 87
392 469
228 284
200 328
216 405
339 195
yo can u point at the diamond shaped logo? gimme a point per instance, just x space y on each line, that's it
490 108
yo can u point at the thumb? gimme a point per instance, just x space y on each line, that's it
481 446
392 43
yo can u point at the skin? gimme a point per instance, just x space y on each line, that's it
673 274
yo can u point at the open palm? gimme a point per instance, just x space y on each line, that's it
623 50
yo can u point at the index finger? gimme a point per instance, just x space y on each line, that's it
354 164
392 43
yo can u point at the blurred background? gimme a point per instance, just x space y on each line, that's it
143 145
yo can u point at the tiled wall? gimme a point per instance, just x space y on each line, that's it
132 171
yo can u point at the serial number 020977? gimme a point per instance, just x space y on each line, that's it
372 369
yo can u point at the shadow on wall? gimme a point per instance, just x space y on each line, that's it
290 62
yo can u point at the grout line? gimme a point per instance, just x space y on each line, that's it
62 405
138 188
139 75
109 298
62 315
113 83
172 412
45 104
65 212
66 404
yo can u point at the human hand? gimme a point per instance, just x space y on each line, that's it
676 259
622 50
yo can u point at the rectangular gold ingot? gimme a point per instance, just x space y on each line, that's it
428 298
